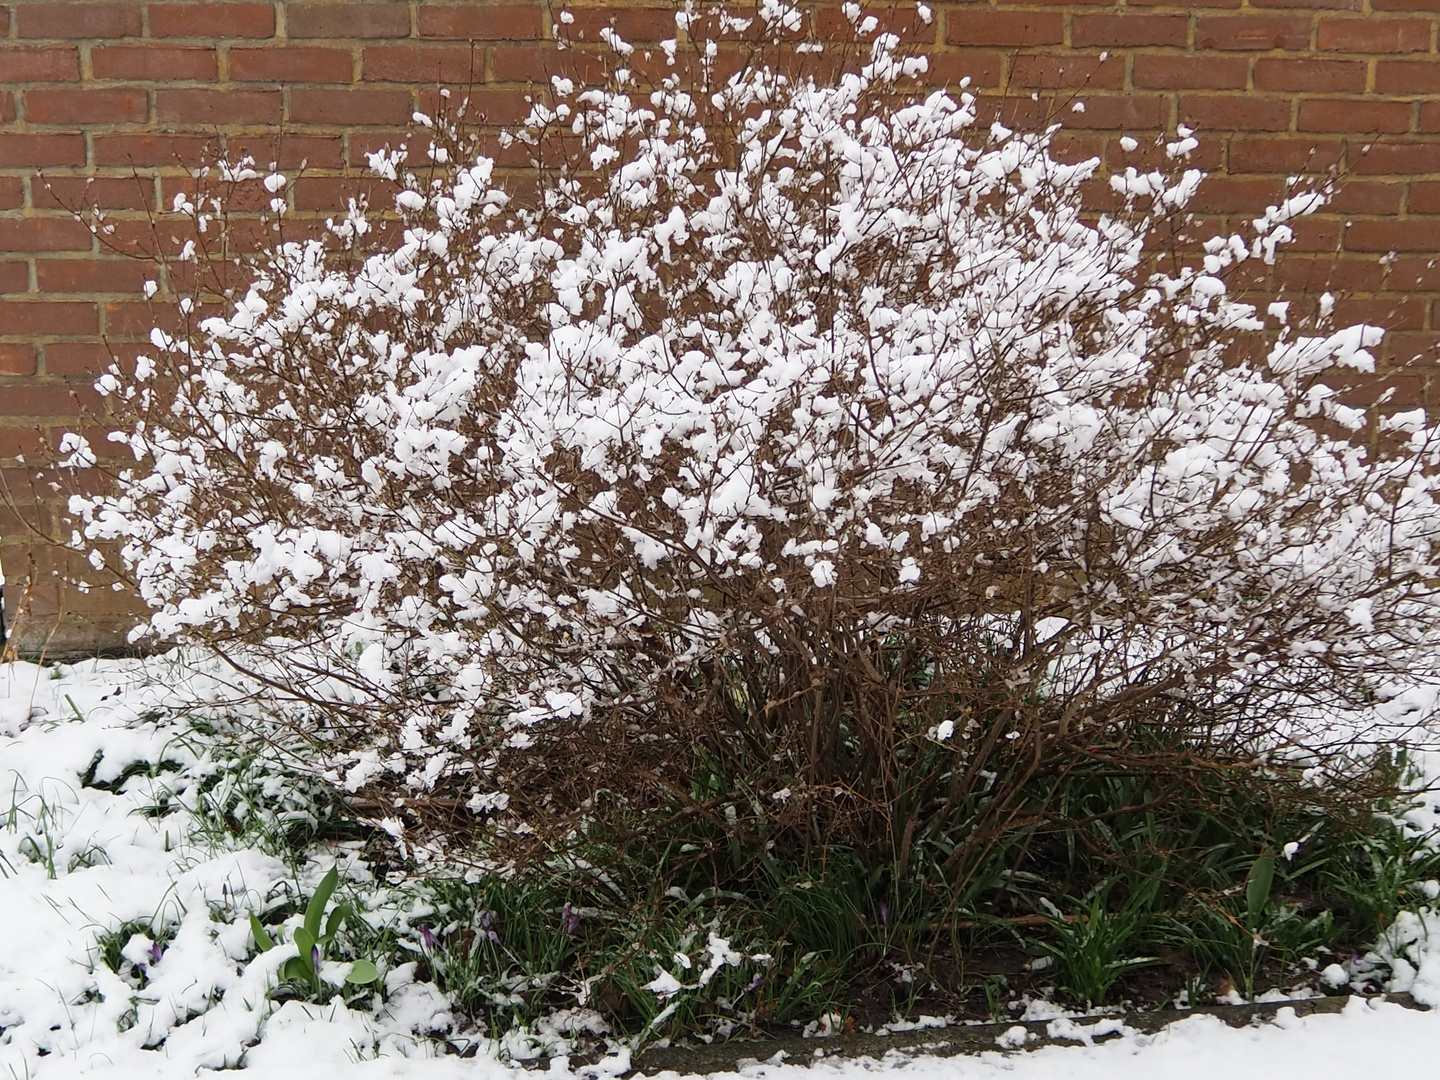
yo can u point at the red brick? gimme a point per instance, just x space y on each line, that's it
212 20
488 22
1405 234
1252 32
485 106
1130 112
1395 159
982 67
7 106
1328 273
1372 35
162 63
1194 4
1158 72
456 65
333 193
12 193
1310 75
33 151
1110 31
19 442
1405 5
89 275
1393 312
1067 70
1424 197
78 21
1429 116
1407 77
1248 112
1310 5
14 276
520 63
1283 155
152 151
347 20
79 192
218 106
55 63
966 26
309 106
86 106
1409 347
1360 117
16 359
832 25
1236 195
290 151
632 24
34 400
290 65
25 317
78 357
1362 197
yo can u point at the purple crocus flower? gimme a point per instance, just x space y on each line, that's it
488 926
570 920
427 937
156 952
884 913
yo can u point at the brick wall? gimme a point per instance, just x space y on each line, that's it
111 103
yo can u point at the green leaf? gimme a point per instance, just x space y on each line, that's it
262 940
315 910
294 970
305 940
362 972
1257 889
338 916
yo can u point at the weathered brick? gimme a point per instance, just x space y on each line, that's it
1252 32
1360 117
90 275
63 106
487 22
1296 155
22 318
966 26
638 24
12 193
221 20
81 192
159 63
1407 77
218 106
17 358
1065 70
1156 71
1310 75
14 276
1113 31
1248 112
50 63
77 21
290 65
347 20
455 65
362 106
27 150
144 150
1374 35
1395 159
1390 234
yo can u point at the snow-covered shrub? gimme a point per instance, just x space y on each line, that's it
785 456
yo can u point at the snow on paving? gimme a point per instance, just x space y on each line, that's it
80 857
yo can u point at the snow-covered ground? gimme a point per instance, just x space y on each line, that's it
81 855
